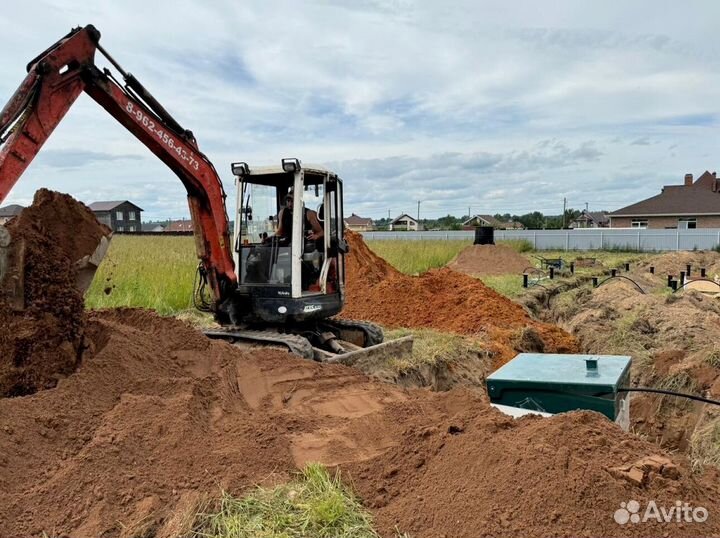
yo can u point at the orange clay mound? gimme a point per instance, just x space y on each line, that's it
442 299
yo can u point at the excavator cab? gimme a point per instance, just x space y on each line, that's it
289 246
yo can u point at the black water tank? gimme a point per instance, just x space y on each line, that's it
484 235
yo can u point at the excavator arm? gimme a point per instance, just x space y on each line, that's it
55 80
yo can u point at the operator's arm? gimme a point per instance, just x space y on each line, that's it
317 229
281 231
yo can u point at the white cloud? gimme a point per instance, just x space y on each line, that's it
510 106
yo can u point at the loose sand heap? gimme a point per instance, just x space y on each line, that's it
445 300
46 340
157 419
489 260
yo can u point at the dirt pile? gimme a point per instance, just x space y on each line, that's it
480 473
442 299
158 418
672 338
489 260
671 263
45 341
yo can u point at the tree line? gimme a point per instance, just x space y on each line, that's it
535 220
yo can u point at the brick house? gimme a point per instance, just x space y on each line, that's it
694 204
357 223
120 216
489 220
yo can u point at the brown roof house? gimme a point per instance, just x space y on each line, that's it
9 212
489 220
694 204
357 223
591 219
405 223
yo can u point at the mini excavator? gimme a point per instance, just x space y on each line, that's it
277 281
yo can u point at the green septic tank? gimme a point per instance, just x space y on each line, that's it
554 383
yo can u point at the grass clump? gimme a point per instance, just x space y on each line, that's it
431 347
315 505
413 257
518 245
713 357
705 445
677 382
508 285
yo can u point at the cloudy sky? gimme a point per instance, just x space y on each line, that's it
502 106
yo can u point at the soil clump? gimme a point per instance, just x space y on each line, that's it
44 342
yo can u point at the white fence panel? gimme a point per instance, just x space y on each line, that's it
584 239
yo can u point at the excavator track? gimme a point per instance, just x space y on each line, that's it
297 345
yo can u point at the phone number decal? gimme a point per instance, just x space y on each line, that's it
164 137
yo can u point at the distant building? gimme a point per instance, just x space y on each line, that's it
405 223
120 216
179 226
357 223
687 206
489 220
591 219
153 227
8 212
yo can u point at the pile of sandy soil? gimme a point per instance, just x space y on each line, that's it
45 341
158 418
482 260
445 300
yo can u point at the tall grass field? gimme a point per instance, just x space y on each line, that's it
146 271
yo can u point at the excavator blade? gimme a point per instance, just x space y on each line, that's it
390 349
12 268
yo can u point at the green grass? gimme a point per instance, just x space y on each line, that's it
518 245
430 347
609 258
705 445
414 257
315 505
508 285
149 272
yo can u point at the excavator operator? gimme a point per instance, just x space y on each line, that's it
312 225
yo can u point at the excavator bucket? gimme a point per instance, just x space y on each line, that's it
12 268
87 266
